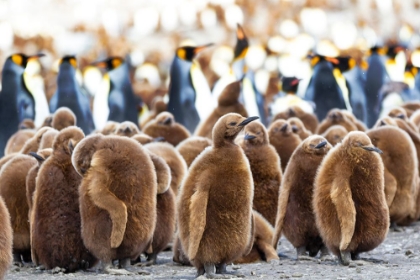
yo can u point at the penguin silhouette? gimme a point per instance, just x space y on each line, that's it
16 101
70 95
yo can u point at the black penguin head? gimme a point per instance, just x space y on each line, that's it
242 44
377 50
345 63
316 58
290 84
189 52
393 49
22 59
70 59
110 63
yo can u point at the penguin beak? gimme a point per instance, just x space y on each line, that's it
200 48
249 137
159 139
382 123
240 34
248 120
294 128
127 130
36 56
100 64
321 145
332 60
37 157
284 127
400 116
167 121
372 149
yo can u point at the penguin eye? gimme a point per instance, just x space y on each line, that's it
232 123
259 132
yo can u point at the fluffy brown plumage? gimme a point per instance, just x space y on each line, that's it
299 128
359 124
63 118
13 190
266 170
158 106
174 159
215 201
295 217
411 107
349 200
336 117
261 248
48 139
228 102
17 140
164 125
284 140
117 198
190 148
401 113
126 128
309 120
55 219
415 118
109 128
335 134
401 172
6 239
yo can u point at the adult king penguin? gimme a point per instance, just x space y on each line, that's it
183 95
115 101
70 95
16 101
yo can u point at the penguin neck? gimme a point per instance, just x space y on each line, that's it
119 77
223 142
66 80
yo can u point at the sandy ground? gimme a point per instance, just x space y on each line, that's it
396 258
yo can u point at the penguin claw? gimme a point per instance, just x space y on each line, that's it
305 258
344 258
114 271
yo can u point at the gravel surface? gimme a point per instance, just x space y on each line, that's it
396 258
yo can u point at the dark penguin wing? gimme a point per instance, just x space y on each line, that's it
182 95
326 93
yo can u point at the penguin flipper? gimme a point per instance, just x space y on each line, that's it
281 212
390 187
197 223
346 212
106 200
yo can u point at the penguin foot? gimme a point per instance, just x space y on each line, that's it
221 270
146 263
344 258
355 256
125 264
17 261
41 267
305 258
210 272
394 227
325 254
301 254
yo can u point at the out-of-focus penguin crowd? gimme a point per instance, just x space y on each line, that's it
104 168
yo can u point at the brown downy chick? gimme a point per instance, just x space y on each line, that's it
18 139
190 148
109 128
228 102
48 139
284 140
117 199
335 134
63 118
158 106
334 117
359 124
295 216
6 240
299 128
126 128
349 200
309 120
214 208
266 170
164 125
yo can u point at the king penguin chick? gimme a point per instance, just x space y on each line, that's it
164 125
401 172
299 128
70 95
55 219
109 128
228 102
62 118
174 159
117 199
190 148
6 236
40 156
309 120
16 101
266 170
18 139
284 140
335 134
215 202
48 139
13 190
360 125
349 202
126 128
295 218
334 117
158 106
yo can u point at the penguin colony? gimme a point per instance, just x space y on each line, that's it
100 192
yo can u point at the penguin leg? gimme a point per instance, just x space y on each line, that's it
301 254
108 268
17 261
210 270
325 254
355 256
344 258
26 257
125 264
221 270
151 260
395 227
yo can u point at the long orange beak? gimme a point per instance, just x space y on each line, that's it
101 64
240 34
36 56
200 48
